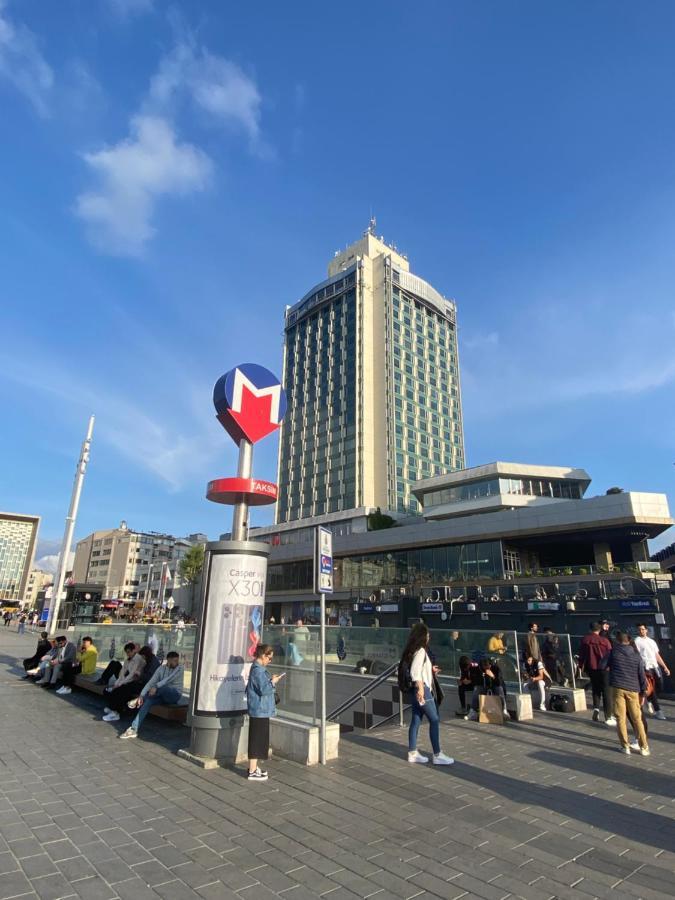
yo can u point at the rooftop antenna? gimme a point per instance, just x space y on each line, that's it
372 224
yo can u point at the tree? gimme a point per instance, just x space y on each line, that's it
379 520
190 569
614 490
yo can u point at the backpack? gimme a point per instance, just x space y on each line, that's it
405 682
561 703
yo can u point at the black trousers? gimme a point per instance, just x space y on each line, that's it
461 690
601 690
258 738
68 673
658 687
119 698
114 667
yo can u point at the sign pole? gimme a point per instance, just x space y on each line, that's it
323 584
322 732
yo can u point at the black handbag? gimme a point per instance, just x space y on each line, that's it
437 691
277 698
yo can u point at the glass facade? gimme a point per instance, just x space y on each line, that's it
372 378
493 487
425 394
16 547
317 468
428 566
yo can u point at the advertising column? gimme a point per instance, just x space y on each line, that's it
233 603
250 404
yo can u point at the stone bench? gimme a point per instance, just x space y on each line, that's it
299 741
170 713
577 695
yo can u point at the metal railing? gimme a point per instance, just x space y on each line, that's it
363 693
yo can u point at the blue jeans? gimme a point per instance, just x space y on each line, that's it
418 712
167 695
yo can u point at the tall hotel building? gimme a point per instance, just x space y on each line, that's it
372 377
18 538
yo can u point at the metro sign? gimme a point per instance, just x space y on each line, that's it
250 402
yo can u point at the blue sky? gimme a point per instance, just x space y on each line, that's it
174 174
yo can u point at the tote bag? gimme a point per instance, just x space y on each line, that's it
490 709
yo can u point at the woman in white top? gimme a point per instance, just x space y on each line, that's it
416 659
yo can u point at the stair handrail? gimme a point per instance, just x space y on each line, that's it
376 682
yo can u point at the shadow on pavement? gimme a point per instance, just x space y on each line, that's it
633 823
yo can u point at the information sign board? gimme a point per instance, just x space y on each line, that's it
323 561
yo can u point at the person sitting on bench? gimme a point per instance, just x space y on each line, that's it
127 685
490 681
65 655
165 686
84 665
32 663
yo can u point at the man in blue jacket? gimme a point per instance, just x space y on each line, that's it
629 684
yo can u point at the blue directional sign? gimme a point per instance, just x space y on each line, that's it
323 561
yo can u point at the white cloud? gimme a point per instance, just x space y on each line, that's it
133 175
557 354
151 162
22 63
216 85
48 563
481 341
175 445
125 9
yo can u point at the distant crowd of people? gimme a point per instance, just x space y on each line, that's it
625 676
29 619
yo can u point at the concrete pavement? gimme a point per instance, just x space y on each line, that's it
541 810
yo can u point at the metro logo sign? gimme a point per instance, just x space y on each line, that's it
250 402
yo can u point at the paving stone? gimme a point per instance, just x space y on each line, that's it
62 849
153 872
38 865
94 888
8 862
52 887
134 889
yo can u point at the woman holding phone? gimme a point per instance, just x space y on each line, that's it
261 707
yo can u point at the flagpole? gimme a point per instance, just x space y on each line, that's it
53 618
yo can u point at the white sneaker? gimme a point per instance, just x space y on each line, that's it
60 690
472 716
660 715
440 759
32 671
611 722
624 750
414 756
542 707
65 690
129 733
507 717
634 745
111 717
650 707
645 752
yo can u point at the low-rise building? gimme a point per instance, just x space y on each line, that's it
500 532
37 582
132 566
